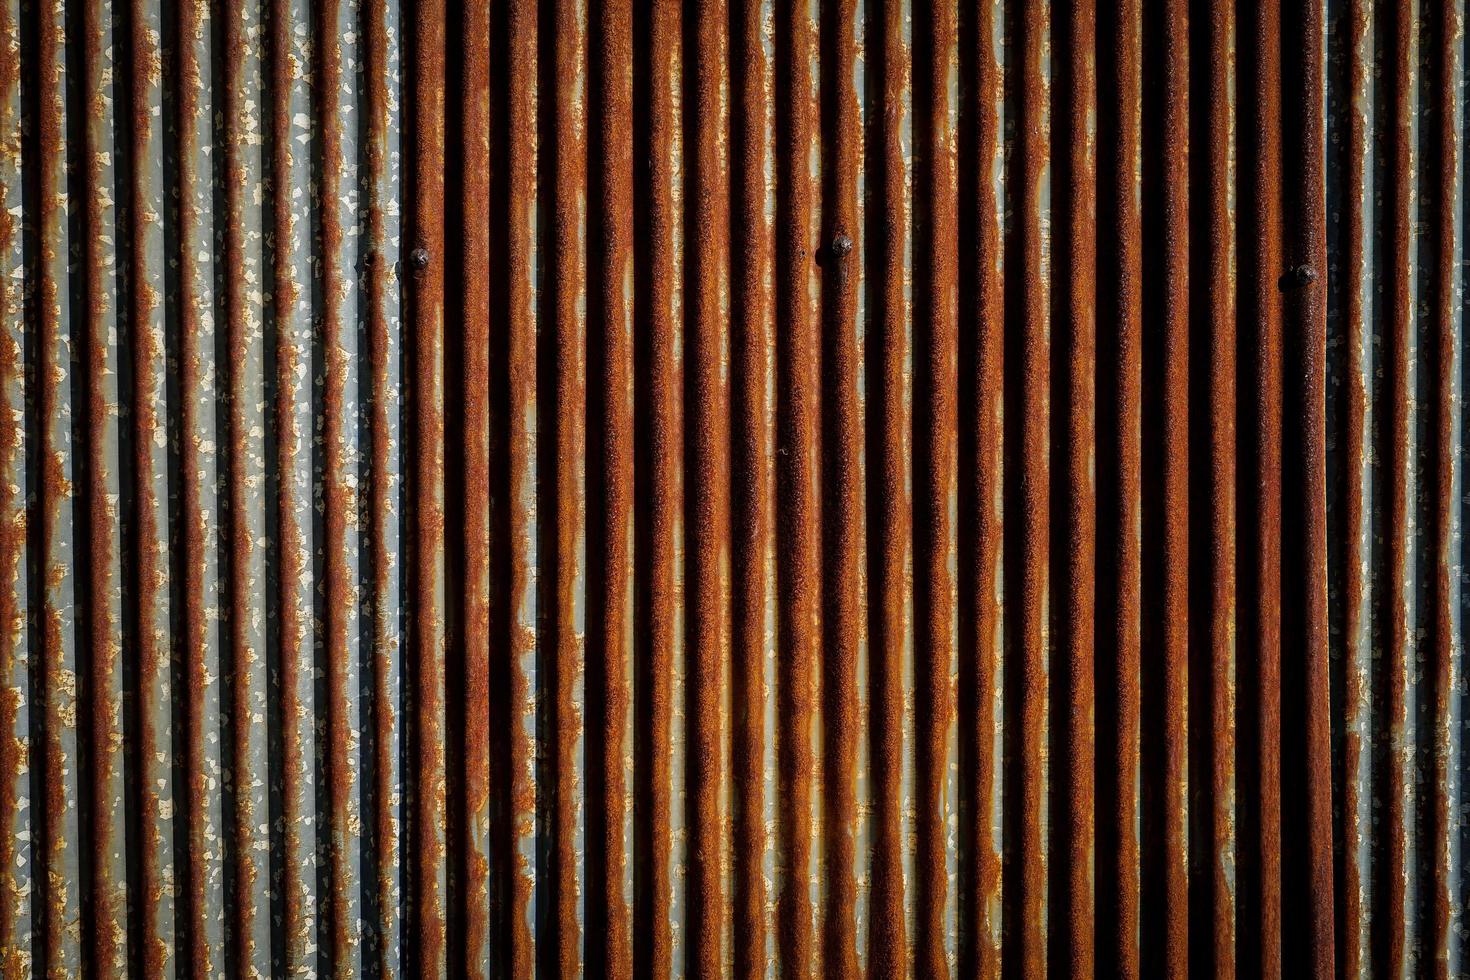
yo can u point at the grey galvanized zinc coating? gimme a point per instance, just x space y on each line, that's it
831 488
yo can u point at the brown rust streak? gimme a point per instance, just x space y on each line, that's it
1354 447
934 458
752 464
1259 481
1448 35
297 859
380 512
1075 284
889 503
565 498
842 482
1027 558
107 939
1307 856
195 642
521 328
1120 297
152 567
656 466
474 904
340 602
14 948
242 547
981 529
1211 687
51 224
798 448
426 126
707 498
1174 551
1389 953
610 484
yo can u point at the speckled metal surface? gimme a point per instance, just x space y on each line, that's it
732 488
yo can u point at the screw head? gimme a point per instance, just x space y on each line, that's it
1297 277
419 257
841 245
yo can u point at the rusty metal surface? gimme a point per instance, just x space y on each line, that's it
733 488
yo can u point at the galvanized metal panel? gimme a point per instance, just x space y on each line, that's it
743 488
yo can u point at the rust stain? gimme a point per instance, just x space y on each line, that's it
610 479
752 340
426 128
847 488
707 500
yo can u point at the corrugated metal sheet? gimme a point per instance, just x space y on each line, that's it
736 488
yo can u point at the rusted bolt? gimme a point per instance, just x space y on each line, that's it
420 258
1302 275
841 245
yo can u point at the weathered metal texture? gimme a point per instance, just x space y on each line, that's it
746 487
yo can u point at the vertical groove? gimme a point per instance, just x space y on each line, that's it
840 256
1119 484
890 514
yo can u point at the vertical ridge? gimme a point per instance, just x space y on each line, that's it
430 900
1028 453
658 518
474 310
1307 839
383 825
752 465
707 459
16 855
105 901
890 493
1074 291
1258 479
842 644
981 466
798 476
935 482
246 670
610 493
